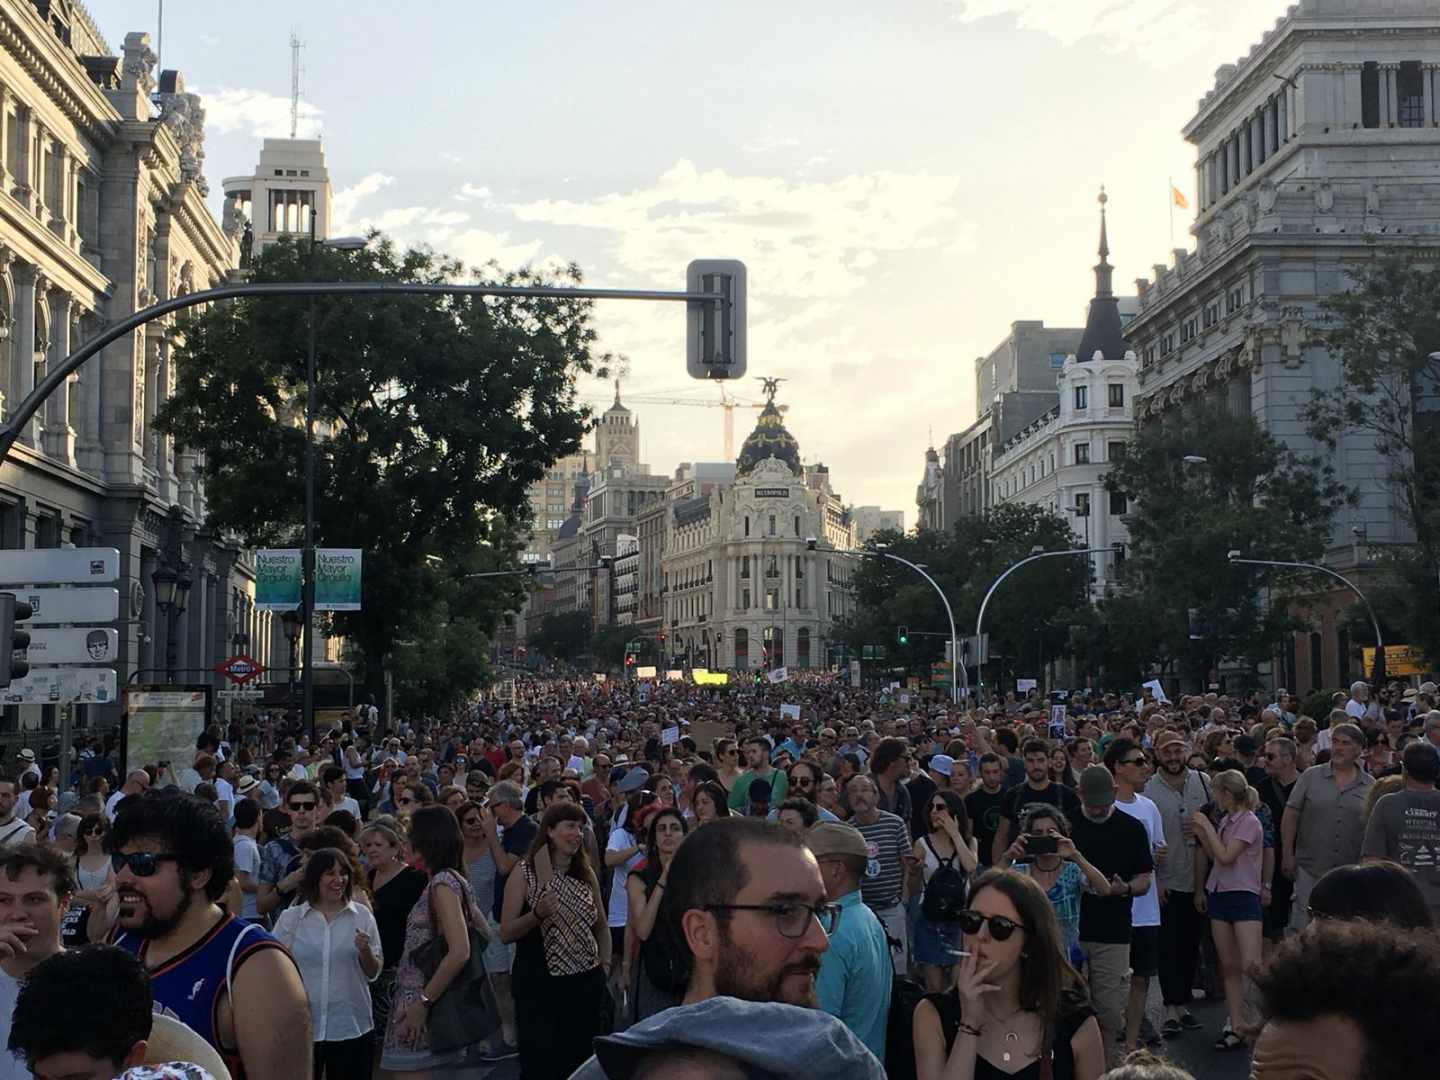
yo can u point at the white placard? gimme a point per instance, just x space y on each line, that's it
599 676
1024 686
60 566
645 673
70 605
1157 691
674 675
75 645
53 686
669 736
792 711
1057 721
778 675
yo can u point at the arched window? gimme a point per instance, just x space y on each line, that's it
802 648
742 649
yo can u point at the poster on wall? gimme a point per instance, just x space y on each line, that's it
162 724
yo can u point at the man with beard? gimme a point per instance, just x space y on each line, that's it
281 864
228 980
1038 787
748 901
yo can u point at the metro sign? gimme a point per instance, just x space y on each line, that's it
240 669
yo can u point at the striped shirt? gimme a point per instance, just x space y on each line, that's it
888 841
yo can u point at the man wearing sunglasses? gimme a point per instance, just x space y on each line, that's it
281 865
229 980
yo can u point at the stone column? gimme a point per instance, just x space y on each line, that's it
58 436
1430 84
39 142
20 166
7 166
22 339
59 220
1388 103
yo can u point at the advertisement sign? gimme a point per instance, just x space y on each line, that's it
1399 660
277 579
76 645
337 579
162 722
56 686
60 566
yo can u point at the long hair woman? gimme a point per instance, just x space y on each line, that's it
562 947
445 908
1016 1009
709 803
948 842
646 961
1232 891
1063 875
727 763
395 886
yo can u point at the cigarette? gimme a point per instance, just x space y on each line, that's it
958 952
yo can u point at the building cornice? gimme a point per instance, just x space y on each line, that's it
56 70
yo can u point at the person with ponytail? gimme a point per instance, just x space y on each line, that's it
1232 890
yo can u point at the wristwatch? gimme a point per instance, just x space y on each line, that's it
425 1000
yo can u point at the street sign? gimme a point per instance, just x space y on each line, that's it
715 330
74 645
240 669
60 566
241 694
70 605
54 686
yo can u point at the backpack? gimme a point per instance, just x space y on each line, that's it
905 994
945 892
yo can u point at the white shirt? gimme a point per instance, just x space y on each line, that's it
11 1067
247 861
1357 709
14 833
188 780
1145 909
348 803
324 951
224 792
620 839
113 802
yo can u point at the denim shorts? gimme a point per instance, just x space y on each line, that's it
1235 906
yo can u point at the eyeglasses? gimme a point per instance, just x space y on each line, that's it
792 920
404 800
141 863
308 804
1000 927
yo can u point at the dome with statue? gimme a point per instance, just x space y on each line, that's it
769 439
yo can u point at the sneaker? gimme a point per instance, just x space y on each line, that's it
499 1052
1187 1019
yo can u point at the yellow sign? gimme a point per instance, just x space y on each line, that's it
709 678
1399 660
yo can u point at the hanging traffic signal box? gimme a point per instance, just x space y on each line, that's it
13 641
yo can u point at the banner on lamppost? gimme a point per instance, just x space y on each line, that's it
337 579
277 579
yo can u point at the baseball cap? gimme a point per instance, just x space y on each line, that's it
835 838
942 763
1166 737
1097 786
633 780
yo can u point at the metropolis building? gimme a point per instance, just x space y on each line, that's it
1316 150
750 574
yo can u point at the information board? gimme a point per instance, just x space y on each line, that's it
162 724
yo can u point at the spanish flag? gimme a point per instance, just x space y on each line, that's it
1178 197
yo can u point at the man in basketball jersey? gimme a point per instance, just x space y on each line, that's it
227 979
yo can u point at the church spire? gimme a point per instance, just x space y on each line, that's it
1103 269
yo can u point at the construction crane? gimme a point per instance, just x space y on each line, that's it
727 402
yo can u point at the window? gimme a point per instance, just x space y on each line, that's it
747 524
1082 504
772 599
745 568
1410 95
1114 451
1057 360
1119 503
1212 314
799 597
1234 299
1370 95
797 524
1082 398
1117 395
772 524
1082 453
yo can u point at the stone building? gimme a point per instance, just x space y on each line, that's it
102 213
744 588
289 195
870 520
1059 460
1316 150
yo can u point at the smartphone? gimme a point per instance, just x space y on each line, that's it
1041 845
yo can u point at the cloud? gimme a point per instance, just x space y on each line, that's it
257 113
769 143
453 159
1173 26
209 39
345 201
471 192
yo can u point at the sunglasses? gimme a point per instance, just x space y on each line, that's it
141 863
1000 927
404 800
308 804
1133 761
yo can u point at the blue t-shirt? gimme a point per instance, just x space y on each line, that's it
855 974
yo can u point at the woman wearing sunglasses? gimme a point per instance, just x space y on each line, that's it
948 843
1017 1009
727 763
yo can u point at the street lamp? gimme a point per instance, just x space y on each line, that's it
171 578
1234 557
879 549
1036 553
1195 459
291 621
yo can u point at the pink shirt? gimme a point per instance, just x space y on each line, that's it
1243 875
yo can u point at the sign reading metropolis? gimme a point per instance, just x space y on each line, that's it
278 585
772 493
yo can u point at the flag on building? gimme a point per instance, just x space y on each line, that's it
1179 198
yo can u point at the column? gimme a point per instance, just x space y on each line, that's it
1272 135
20 165
90 454
58 436
1427 83
7 166
1292 100
1388 101
22 337
59 197
39 141
1282 116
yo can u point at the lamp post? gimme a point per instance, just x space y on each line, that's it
172 581
291 621
955 666
1034 556
1234 557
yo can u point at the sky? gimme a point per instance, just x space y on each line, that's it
903 181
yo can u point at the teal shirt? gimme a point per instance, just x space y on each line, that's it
854 981
740 793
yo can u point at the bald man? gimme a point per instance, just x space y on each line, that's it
137 781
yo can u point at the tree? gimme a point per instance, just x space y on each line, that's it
563 636
608 644
1385 331
1250 494
434 415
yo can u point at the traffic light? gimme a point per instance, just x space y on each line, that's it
13 641
902 635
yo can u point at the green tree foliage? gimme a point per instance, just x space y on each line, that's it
434 416
608 645
1252 495
1384 330
563 636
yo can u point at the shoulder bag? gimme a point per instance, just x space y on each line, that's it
466 1013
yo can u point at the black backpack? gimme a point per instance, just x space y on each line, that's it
905 994
945 892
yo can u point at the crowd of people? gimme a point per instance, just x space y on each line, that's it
795 879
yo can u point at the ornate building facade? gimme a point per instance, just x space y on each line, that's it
1317 149
102 212
751 575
